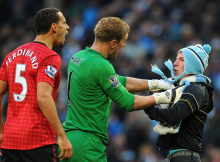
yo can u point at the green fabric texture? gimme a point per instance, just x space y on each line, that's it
86 147
92 86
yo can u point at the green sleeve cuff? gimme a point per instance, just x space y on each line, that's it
122 80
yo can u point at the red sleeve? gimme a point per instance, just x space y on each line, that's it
49 69
3 75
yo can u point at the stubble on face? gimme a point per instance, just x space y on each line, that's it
62 30
119 46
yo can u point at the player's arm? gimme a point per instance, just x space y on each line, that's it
143 102
166 97
3 90
114 87
48 107
137 85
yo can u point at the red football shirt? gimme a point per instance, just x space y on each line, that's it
26 127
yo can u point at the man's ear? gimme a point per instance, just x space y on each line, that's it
113 43
54 27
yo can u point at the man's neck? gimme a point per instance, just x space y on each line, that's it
103 48
46 39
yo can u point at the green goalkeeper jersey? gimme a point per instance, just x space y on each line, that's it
92 86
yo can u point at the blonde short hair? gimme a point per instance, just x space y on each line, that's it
109 28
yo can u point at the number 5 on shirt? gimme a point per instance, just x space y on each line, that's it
20 79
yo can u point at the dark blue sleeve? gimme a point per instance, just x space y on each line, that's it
190 101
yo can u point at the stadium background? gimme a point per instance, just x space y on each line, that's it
159 28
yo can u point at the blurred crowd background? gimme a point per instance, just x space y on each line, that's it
159 28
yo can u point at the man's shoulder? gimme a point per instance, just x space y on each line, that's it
91 55
31 47
103 65
92 59
195 89
195 86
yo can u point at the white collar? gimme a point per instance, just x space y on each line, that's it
191 78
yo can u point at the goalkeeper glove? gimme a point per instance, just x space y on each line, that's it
171 95
163 97
157 85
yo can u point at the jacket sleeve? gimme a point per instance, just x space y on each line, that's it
190 101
